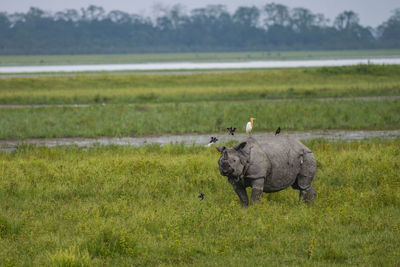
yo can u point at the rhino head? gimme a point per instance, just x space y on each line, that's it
233 160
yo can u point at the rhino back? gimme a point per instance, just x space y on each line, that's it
259 165
284 154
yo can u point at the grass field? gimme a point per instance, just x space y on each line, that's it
176 104
138 206
174 57
199 117
362 80
119 206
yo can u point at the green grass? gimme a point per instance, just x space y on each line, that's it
201 103
362 80
170 57
119 206
130 206
199 117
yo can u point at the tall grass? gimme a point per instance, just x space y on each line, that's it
142 119
363 80
118 206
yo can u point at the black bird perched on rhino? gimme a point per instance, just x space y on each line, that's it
268 164
278 131
231 130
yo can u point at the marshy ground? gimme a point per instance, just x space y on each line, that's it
116 205
138 205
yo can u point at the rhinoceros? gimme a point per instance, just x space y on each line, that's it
268 164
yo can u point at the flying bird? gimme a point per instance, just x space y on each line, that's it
201 196
249 126
231 130
212 141
278 131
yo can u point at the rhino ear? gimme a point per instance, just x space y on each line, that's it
240 145
221 149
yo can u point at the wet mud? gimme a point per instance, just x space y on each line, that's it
199 139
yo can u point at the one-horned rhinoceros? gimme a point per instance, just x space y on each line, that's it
268 164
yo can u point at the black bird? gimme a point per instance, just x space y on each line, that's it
278 131
201 196
231 130
213 139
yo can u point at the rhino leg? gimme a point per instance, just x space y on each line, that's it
305 178
308 195
257 187
241 192
304 185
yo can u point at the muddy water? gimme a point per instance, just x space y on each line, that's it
339 135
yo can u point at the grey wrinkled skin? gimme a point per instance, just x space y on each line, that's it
268 164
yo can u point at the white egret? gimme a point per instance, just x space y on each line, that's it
250 125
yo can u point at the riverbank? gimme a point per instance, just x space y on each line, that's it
198 139
193 57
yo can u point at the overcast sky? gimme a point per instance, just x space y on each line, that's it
371 12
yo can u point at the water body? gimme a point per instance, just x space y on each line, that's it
198 65
202 140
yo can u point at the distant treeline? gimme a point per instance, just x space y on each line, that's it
213 28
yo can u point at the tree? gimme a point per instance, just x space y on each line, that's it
390 30
212 28
119 17
346 20
302 19
351 32
247 16
177 16
68 15
276 14
93 13
5 25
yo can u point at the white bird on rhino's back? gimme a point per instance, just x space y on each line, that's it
249 126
